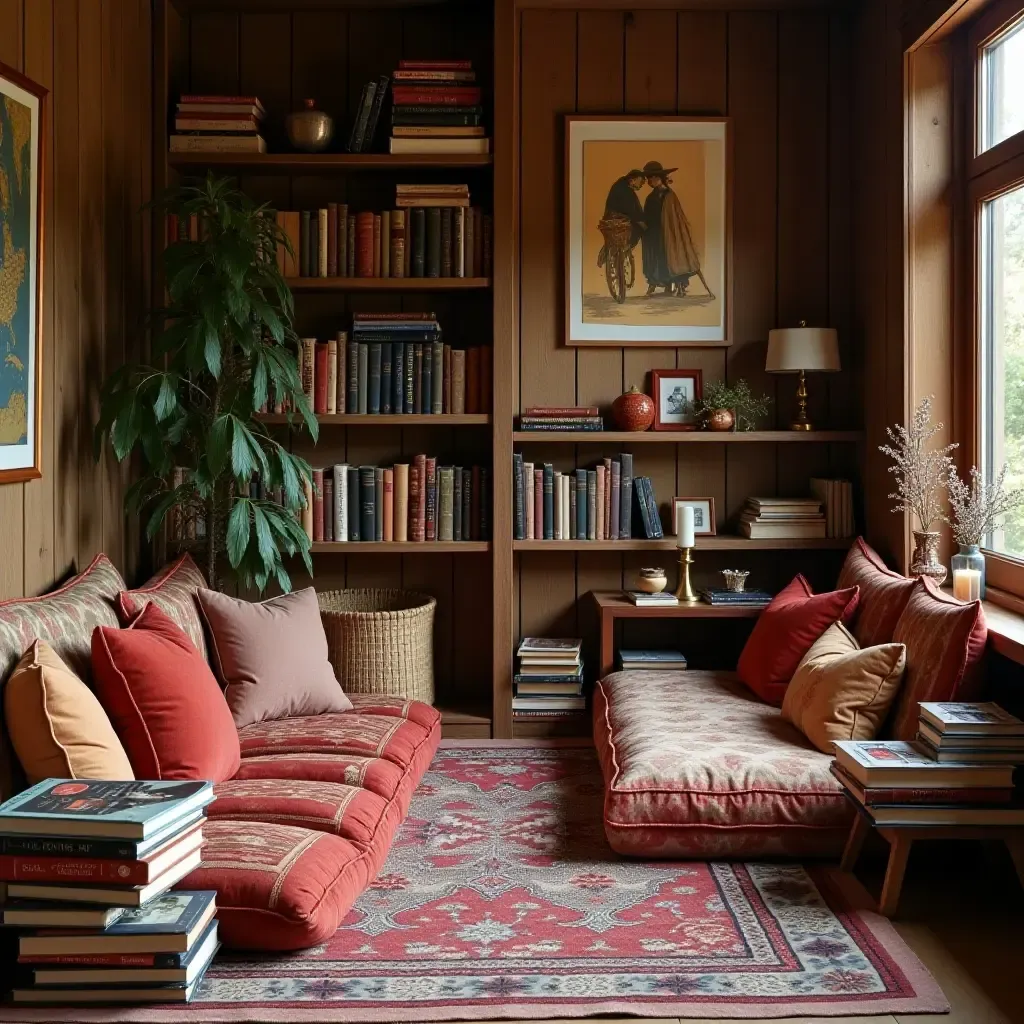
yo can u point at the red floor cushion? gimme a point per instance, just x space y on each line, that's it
278 887
371 773
695 766
883 594
347 811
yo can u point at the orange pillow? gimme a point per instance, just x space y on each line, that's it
883 594
164 701
784 633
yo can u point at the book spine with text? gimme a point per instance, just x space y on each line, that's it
467 504
385 376
322 242
519 512
341 502
401 511
328 511
318 504
364 377
431 499
437 378
418 498
354 504
374 382
367 504
591 504
626 497
457 503
332 239
599 529
388 505
378 503
332 376
549 499
364 245
320 377
341 372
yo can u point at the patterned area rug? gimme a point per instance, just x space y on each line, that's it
501 899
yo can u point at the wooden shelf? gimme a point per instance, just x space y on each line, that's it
404 547
347 419
719 543
686 436
325 163
387 284
616 602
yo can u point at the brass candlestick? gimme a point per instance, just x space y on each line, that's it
684 592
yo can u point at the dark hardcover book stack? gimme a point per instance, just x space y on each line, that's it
218 124
437 108
748 598
562 418
594 504
549 683
367 116
88 866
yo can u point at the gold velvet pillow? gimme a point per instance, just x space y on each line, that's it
57 726
841 691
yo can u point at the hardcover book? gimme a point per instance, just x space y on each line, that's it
963 719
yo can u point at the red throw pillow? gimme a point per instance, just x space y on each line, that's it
945 641
165 704
883 594
785 632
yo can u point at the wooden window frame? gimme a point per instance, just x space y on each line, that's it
987 175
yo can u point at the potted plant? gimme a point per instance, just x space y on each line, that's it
222 349
921 476
731 407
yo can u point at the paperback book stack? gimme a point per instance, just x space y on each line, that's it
562 418
393 364
782 519
602 503
980 733
666 599
432 232
651 661
409 501
87 867
218 124
436 108
739 598
549 683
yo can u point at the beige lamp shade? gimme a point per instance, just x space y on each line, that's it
791 349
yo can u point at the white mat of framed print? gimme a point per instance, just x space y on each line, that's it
647 230
21 126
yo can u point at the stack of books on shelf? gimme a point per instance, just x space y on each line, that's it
741 598
436 108
549 683
364 124
651 661
836 497
587 504
218 124
88 866
898 783
562 418
393 364
782 519
418 501
666 599
432 232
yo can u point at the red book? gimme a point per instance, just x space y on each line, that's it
249 101
328 506
473 379
417 498
100 960
436 96
320 373
364 245
561 410
484 400
318 504
474 504
436 65
430 493
879 797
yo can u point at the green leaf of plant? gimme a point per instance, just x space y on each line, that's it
166 399
264 536
212 351
217 441
238 531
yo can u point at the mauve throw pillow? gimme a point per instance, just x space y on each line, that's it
883 594
271 657
163 700
785 632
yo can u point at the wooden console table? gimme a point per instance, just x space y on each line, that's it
613 604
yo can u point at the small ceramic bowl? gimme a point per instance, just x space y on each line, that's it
651 581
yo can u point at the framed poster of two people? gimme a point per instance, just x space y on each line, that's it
648 227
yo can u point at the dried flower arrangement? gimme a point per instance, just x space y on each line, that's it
921 474
977 506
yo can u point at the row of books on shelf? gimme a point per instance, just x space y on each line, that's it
218 124
717 598
88 867
373 371
562 418
587 504
417 501
549 682
958 771
433 233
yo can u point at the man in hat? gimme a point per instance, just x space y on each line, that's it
670 255
622 201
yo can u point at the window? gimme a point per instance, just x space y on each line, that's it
1001 74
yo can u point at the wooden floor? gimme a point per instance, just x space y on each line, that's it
963 914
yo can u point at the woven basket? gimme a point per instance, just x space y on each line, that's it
381 641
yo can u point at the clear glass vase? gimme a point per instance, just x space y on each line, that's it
968 566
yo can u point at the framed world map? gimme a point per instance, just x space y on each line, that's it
21 219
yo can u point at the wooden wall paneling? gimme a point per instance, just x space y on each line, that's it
374 48
319 50
753 107
214 44
39 495
264 69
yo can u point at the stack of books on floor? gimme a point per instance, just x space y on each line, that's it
666 599
739 598
437 108
549 683
836 497
87 867
561 418
956 731
640 661
782 519
218 124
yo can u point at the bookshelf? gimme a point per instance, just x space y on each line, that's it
686 436
387 284
718 543
377 420
323 163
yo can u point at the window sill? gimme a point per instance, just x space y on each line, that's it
1005 631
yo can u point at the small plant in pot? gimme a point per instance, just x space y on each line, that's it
731 406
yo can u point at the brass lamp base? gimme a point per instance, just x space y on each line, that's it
801 422
684 592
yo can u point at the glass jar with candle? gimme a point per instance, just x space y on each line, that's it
968 566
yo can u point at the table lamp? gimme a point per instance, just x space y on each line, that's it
802 350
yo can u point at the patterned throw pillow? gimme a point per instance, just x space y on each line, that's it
945 641
173 591
841 691
883 594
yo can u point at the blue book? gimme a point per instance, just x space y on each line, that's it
86 807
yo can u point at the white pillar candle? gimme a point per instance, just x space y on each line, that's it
684 526
967 584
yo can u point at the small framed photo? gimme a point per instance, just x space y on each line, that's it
703 514
675 395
